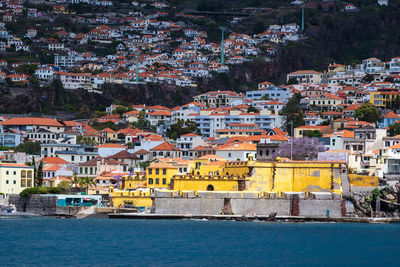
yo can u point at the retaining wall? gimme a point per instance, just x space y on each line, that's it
42 205
246 206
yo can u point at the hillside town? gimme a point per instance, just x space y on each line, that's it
147 45
347 115
140 132
342 123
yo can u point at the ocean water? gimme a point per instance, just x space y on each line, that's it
119 242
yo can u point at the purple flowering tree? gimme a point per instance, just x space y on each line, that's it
304 148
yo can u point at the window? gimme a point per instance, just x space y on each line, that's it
72 158
14 182
7 172
150 171
157 181
164 171
6 181
150 180
229 154
157 171
164 181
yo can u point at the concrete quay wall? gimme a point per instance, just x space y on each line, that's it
42 205
245 206
37 204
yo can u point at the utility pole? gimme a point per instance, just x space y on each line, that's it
137 53
302 18
291 141
223 28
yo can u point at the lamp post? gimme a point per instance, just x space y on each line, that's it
223 28
302 18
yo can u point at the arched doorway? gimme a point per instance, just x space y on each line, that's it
210 187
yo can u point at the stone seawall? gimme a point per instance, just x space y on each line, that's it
37 204
217 204
42 205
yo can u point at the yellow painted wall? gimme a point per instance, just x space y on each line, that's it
15 177
202 184
238 168
363 180
136 201
295 177
132 182
112 136
138 198
170 172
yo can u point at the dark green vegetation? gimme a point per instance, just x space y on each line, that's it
333 35
40 190
394 129
367 112
31 148
182 127
293 114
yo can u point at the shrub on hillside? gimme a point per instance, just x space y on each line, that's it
40 190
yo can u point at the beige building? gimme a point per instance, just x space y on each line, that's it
305 76
15 177
216 99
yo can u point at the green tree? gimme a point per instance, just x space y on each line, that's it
252 109
121 110
142 123
26 69
102 125
86 182
65 186
367 78
84 140
29 148
39 175
130 145
74 181
182 127
144 164
293 80
99 113
367 112
315 133
293 114
394 129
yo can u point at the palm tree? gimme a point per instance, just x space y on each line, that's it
86 182
75 180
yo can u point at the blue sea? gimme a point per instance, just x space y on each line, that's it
119 242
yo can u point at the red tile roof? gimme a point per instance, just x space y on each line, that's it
166 147
111 145
391 115
32 121
54 160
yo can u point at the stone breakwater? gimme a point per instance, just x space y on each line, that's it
381 202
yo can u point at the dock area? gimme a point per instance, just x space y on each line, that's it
249 218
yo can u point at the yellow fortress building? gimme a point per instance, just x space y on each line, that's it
255 176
